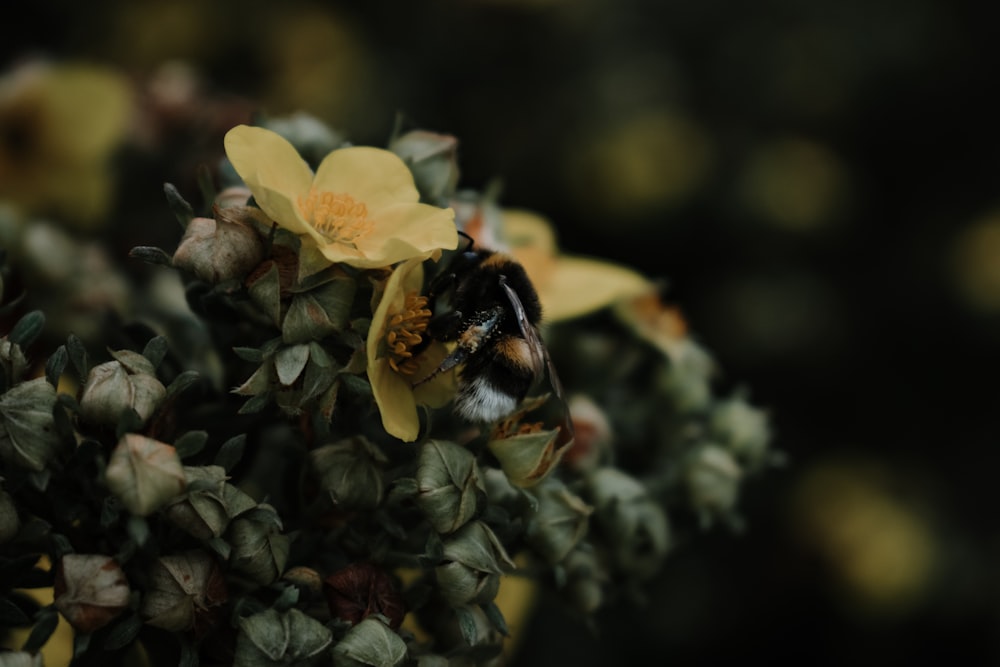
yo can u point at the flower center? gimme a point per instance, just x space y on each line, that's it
338 217
403 333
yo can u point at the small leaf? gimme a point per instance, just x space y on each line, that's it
111 509
251 354
78 356
56 364
27 329
129 422
495 617
61 545
287 599
255 404
182 382
289 362
138 530
190 443
155 350
356 385
123 633
231 452
467 624
265 290
81 643
11 614
45 625
182 210
189 653
151 255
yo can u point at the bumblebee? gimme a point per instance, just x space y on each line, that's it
492 313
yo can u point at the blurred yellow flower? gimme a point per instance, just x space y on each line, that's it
59 125
568 286
397 327
360 207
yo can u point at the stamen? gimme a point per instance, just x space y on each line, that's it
403 333
338 217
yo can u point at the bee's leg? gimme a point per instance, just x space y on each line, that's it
458 355
446 326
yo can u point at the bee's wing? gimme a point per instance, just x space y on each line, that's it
539 353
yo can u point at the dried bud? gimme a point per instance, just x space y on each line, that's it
129 381
559 522
433 159
635 525
369 644
271 638
688 379
744 429
183 592
585 580
450 489
305 578
260 551
90 590
499 490
712 477
12 359
28 437
351 472
593 437
144 473
528 457
225 248
10 523
234 195
474 559
211 502
360 590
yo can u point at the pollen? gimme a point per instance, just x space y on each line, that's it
338 217
403 333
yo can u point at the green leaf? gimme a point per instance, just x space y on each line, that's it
27 329
138 529
255 404
467 624
81 643
265 290
287 599
151 255
56 364
45 625
78 357
495 617
189 652
231 452
190 443
11 614
155 350
289 363
182 210
251 354
182 382
123 633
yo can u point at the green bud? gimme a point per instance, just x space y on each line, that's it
225 248
90 590
474 559
184 592
144 474
260 551
688 379
585 580
129 381
712 477
312 138
744 430
275 638
351 472
450 489
559 523
28 437
634 524
205 512
370 643
528 458
433 159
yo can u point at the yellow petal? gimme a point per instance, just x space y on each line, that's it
439 391
273 170
523 228
395 401
578 286
403 231
89 107
375 176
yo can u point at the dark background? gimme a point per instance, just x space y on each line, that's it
817 182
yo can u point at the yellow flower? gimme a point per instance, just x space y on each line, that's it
399 325
59 125
568 286
360 207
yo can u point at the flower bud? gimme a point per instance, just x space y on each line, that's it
144 474
129 381
450 489
474 559
12 359
369 644
688 379
500 491
28 437
360 590
433 159
585 580
10 522
260 551
351 472
559 522
527 458
744 429
184 592
712 477
634 525
274 638
90 590
225 248
206 510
